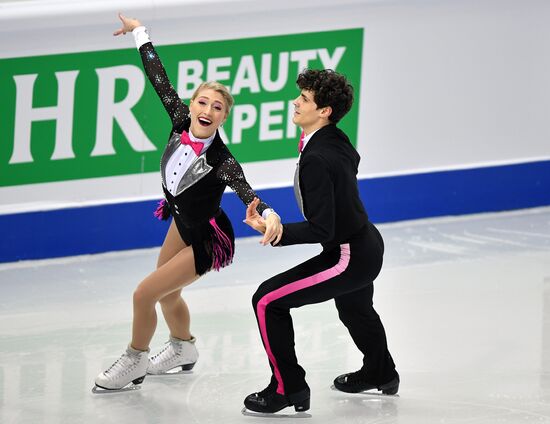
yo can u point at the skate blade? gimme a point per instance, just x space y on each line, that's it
169 373
174 371
372 392
249 413
101 391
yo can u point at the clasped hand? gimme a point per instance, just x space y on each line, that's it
271 228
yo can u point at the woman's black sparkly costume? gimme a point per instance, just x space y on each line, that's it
196 206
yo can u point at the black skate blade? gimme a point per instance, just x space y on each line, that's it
248 413
174 371
102 391
372 392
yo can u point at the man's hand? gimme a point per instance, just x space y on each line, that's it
274 230
128 25
271 228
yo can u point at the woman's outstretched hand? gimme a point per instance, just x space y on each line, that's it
128 25
253 218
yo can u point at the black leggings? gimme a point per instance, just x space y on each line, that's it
344 273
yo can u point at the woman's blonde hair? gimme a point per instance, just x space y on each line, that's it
218 87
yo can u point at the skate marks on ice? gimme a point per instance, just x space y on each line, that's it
443 361
452 239
300 414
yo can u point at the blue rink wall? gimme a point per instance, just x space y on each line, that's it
94 229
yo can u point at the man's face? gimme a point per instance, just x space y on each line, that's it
306 112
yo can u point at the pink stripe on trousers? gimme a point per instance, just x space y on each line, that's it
290 288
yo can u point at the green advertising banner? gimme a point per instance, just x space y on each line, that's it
94 114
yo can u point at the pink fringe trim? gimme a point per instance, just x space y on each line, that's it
222 249
162 212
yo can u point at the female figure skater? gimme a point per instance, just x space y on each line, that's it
196 167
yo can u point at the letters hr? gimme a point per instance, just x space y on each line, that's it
107 111
190 74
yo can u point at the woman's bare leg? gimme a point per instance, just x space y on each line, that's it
176 269
176 314
175 310
171 246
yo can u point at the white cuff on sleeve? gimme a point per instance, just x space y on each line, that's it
141 36
267 212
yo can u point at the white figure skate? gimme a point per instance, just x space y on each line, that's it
125 374
177 356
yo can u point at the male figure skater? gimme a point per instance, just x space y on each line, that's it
325 185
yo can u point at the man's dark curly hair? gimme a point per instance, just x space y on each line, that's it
329 89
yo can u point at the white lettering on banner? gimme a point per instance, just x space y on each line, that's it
191 72
282 77
246 76
267 119
25 114
331 62
270 116
108 110
189 77
303 57
244 117
214 73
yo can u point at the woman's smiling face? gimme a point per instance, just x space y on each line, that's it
208 112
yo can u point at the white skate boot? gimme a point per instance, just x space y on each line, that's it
131 367
176 354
